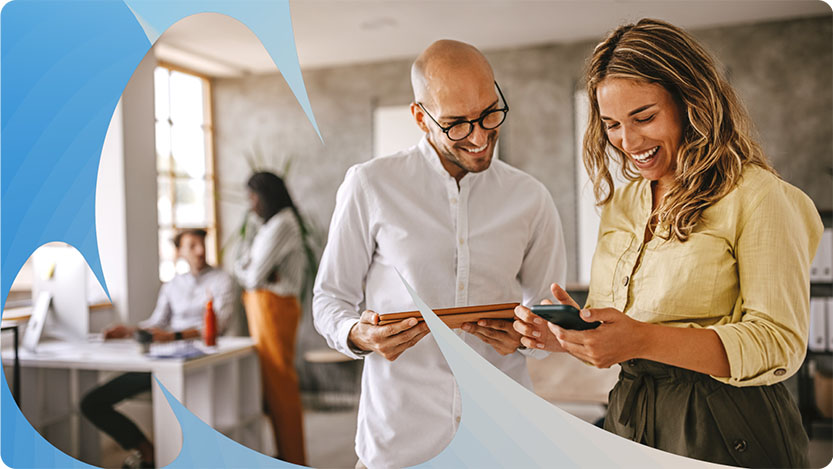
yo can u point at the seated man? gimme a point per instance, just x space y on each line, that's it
178 315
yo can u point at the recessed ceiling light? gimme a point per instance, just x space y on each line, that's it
375 24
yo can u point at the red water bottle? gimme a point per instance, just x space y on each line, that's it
210 328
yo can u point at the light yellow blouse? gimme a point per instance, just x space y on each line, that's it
743 272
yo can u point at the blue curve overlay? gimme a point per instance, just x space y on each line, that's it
64 65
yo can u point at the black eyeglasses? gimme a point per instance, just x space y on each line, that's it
490 120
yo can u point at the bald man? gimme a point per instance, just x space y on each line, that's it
462 228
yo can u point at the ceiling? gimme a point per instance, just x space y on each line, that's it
338 32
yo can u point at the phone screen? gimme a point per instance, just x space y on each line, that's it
565 316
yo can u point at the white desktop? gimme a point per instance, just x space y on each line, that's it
62 271
222 387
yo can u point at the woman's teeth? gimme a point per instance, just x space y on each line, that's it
477 150
644 157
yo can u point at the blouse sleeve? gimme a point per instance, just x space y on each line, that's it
776 242
273 242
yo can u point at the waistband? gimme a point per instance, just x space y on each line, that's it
639 379
633 369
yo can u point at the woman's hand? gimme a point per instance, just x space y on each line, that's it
533 328
619 338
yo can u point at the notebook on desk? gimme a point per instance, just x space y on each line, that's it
455 317
181 350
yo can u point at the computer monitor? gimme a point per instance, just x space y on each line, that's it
62 271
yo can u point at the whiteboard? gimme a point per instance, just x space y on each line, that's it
394 129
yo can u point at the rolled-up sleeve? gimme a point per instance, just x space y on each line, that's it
339 285
775 246
161 316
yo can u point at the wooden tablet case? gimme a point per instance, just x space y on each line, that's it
455 317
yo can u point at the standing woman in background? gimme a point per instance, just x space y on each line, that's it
271 270
701 272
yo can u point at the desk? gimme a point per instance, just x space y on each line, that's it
15 328
223 389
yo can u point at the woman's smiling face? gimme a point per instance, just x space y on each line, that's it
643 121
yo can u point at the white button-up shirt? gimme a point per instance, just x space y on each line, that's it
496 239
181 302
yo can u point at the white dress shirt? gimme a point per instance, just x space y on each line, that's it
276 247
496 239
181 302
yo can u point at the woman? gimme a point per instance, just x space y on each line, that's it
271 270
700 276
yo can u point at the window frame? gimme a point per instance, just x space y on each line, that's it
210 176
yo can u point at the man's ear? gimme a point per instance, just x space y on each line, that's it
419 117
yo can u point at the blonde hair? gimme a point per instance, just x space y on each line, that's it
716 141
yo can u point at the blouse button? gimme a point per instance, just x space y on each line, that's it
626 280
780 372
740 445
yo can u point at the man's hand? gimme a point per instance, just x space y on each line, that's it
119 331
498 333
161 335
389 340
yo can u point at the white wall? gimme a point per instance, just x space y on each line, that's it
140 192
110 215
126 217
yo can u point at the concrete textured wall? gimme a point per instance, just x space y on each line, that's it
782 70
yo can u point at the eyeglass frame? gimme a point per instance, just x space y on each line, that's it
478 121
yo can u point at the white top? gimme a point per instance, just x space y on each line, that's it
181 303
276 247
497 239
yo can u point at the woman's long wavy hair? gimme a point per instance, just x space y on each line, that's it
716 141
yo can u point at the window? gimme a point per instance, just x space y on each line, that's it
184 163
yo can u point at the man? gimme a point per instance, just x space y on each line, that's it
462 229
178 315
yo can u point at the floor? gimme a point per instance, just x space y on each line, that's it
337 428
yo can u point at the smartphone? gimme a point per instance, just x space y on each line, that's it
565 316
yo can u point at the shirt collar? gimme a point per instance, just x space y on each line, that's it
433 158
646 201
201 273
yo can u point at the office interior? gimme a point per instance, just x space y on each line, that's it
355 58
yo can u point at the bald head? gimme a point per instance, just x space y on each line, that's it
447 64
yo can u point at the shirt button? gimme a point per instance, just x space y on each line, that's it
460 287
462 241
740 445
457 419
780 372
626 280
454 200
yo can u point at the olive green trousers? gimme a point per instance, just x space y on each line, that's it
694 415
